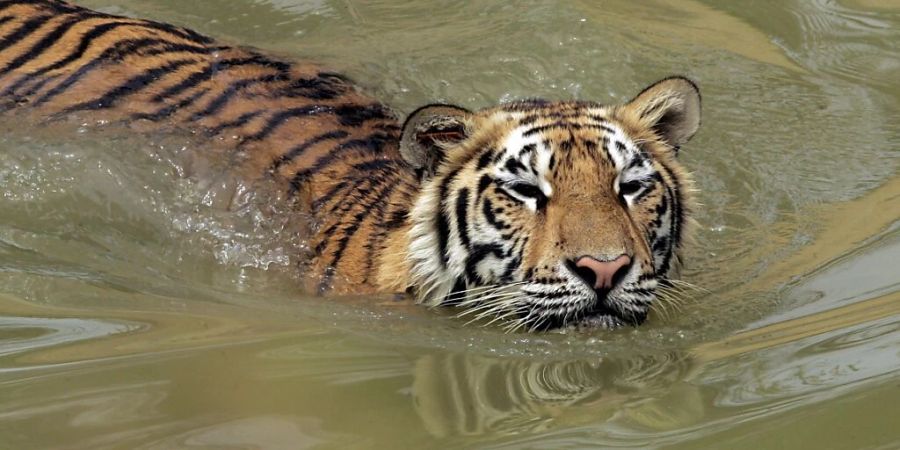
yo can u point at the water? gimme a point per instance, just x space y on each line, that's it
137 311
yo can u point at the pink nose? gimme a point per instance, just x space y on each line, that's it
605 273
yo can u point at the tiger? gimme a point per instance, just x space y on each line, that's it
537 214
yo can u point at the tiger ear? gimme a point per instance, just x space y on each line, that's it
428 131
670 107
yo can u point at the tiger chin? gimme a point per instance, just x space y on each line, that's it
534 214
541 214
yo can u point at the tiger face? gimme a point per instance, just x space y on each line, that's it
551 214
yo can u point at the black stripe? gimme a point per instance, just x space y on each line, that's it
602 122
166 111
19 83
554 125
548 295
605 147
678 223
38 48
375 164
564 125
277 119
397 219
443 229
130 86
370 145
454 297
490 214
483 183
339 210
525 104
558 115
647 276
484 159
5 19
514 165
85 42
216 104
352 226
462 219
675 229
646 292
638 160
646 191
37 86
546 280
119 50
169 47
323 200
297 151
26 28
188 82
98 31
528 148
529 273
443 225
324 86
355 115
207 73
667 258
479 253
355 195
348 232
511 267
348 115
377 237
240 121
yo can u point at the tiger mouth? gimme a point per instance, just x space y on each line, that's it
601 315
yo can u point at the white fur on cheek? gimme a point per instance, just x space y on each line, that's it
543 168
428 274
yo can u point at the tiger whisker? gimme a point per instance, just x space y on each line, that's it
468 298
481 298
496 303
499 305
485 288
501 317
498 314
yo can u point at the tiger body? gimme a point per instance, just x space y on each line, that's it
309 129
551 213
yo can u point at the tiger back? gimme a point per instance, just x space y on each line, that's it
309 129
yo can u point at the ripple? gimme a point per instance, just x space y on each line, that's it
23 334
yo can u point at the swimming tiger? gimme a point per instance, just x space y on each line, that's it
539 214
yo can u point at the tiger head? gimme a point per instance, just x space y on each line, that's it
551 214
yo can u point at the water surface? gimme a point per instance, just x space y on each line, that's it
138 311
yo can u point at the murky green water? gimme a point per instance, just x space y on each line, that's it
136 312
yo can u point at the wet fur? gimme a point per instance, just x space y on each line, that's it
439 222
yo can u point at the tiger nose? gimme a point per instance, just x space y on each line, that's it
603 274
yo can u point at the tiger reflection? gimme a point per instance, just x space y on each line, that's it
460 394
